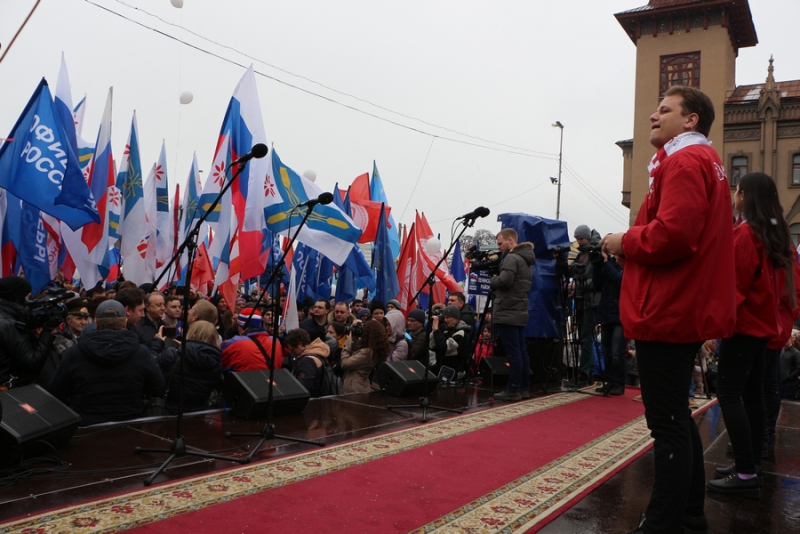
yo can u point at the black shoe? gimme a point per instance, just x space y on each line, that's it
733 485
722 472
694 525
508 396
617 391
525 394
730 448
603 388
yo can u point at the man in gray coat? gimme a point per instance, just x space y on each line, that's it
510 310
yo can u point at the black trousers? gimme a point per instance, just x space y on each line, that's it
740 390
772 390
665 370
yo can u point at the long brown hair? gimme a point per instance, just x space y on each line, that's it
762 210
374 338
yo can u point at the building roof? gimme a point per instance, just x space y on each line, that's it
740 19
745 94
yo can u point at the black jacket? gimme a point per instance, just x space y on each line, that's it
105 376
607 276
146 329
512 285
203 373
21 354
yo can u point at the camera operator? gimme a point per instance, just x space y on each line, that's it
510 310
586 300
451 343
608 278
22 354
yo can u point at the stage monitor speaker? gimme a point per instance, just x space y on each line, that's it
33 420
247 392
494 371
404 378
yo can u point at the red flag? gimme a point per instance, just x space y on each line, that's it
202 269
424 233
407 267
359 189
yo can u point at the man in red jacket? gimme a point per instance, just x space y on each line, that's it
678 290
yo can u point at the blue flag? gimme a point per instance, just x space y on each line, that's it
457 268
386 287
30 239
355 272
377 194
38 165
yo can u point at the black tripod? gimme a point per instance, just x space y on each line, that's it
571 322
268 430
178 447
424 402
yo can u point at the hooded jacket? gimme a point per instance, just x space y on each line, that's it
308 367
398 346
105 376
512 285
202 375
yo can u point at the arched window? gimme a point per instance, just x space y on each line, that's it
680 69
796 169
794 230
738 169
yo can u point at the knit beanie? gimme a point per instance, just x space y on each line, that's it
583 232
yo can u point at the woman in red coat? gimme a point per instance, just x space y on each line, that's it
763 256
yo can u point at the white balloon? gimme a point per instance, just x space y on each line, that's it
310 175
433 246
176 3
186 96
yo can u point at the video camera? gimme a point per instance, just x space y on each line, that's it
39 312
484 260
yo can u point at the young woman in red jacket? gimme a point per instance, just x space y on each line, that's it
763 256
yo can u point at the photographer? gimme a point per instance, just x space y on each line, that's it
608 278
510 310
451 344
586 300
22 354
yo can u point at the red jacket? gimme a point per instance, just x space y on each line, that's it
759 286
679 282
240 353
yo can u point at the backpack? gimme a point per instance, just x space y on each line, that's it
329 383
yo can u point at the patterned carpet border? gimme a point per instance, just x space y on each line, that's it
520 505
161 502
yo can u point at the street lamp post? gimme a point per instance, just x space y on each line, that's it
560 126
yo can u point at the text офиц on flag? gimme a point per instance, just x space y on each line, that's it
38 165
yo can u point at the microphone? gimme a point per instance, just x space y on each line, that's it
258 151
478 212
324 198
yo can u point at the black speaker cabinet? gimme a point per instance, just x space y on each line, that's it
30 416
494 371
247 392
404 378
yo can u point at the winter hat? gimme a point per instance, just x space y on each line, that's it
583 232
451 311
395 303
14 288
109 308
418 315
364 314
254 322
377 305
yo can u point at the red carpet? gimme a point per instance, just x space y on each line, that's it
403 491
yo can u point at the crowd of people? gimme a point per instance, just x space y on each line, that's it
115 354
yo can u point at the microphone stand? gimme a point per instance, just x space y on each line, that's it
268 430
178 447
424 402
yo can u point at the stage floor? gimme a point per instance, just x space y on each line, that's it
102 462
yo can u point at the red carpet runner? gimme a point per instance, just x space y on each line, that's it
512 465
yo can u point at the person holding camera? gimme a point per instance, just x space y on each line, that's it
22 354
607 275
510 310
586 300
451 343
362 353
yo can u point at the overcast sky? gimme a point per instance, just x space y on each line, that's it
454 100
